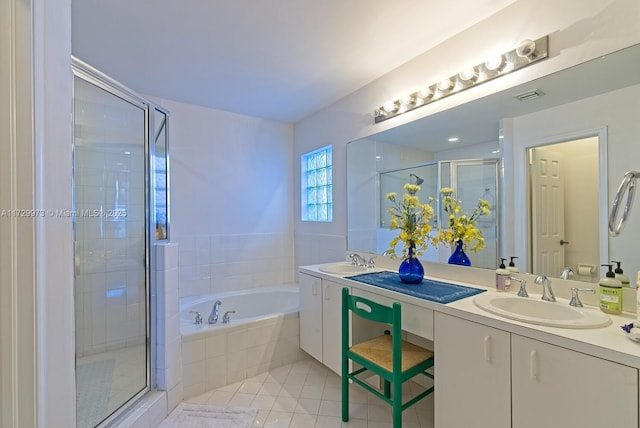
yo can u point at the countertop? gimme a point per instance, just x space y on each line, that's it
609 343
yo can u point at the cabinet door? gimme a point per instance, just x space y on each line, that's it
472 374
332 325
553 386
311 315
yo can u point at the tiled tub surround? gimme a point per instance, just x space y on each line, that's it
215 356
218 263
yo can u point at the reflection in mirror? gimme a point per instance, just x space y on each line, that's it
603 93
367 176
562 179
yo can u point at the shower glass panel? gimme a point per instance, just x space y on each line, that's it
111 311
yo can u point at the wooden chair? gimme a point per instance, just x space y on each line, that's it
388 356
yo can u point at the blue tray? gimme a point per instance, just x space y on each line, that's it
435 291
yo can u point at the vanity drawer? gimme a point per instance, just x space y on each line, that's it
415 319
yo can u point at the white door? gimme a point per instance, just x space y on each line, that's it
547 207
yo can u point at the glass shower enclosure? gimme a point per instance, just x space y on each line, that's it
112 235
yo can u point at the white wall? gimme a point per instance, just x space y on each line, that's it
579 30
231 206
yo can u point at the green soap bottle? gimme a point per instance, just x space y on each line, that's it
610 293
624 279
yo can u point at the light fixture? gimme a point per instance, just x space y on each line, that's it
527 52
453 139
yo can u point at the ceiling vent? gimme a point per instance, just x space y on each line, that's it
529 95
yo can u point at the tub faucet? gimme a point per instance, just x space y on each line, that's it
213 317
547 291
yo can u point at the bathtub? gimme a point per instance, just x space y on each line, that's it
251 305
262 334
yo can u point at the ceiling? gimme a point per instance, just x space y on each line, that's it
274 59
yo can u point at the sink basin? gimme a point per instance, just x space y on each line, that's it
533 310
342 268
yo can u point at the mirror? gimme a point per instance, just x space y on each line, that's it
597 99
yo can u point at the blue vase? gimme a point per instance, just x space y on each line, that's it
411 270
458 257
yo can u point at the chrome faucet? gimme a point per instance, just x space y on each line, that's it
227 317
566 273
213 317
547 291
522 292
357 259
575 300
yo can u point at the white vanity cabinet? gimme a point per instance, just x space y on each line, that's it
320 320
493 378
554 386
472 374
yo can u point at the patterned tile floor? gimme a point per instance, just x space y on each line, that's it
306 394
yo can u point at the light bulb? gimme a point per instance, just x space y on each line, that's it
445 84
526 49
425 92
495 63
468 74
389 106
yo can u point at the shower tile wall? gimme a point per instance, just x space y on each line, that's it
110 292
216 263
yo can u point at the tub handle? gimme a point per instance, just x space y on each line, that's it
226 317
198 317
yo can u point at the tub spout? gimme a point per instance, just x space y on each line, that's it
213 317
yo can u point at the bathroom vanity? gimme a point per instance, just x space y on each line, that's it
491 371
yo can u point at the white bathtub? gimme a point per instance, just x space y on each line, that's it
263 334
253 304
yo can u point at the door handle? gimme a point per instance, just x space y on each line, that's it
563 242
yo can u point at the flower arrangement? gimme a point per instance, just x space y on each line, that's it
412 218
461 227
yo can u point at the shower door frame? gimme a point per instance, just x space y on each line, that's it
84 71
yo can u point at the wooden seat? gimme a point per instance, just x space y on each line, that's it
379 351
388 356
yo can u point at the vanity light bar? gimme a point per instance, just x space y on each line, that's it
526 53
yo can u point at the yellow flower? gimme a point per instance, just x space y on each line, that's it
461 227
412 219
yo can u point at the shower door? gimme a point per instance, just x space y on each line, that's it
111 297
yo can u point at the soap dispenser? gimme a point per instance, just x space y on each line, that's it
610 293
624 279
503 281
512 268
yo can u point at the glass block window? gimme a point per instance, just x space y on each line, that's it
317 193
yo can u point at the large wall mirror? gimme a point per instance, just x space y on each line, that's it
580 125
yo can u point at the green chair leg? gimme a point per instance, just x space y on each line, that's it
345 398
387 389
344 357
397 403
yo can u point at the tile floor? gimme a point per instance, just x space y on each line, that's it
306 394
